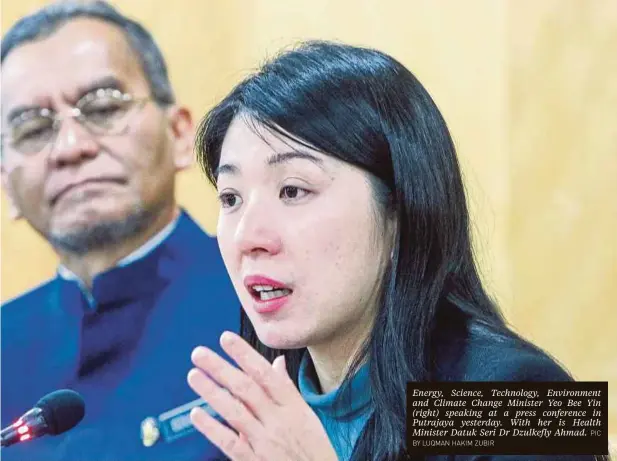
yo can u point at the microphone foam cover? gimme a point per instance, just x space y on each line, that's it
62 410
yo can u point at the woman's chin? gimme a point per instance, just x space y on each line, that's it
280 340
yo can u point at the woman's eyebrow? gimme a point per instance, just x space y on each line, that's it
286 157
228 168
276 159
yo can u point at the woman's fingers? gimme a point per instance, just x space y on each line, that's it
230 443
280 425
242 386
234 412
280 366
279 387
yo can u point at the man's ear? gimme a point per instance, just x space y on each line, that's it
183 136
14 212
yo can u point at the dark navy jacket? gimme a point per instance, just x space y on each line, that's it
466 350
128 355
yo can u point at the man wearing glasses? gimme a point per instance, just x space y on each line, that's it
91 141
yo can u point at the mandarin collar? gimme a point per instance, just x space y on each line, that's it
135 279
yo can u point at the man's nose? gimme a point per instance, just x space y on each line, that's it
73 143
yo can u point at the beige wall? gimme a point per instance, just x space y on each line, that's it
529 88
562 231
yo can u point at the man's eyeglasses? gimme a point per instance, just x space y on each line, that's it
105 111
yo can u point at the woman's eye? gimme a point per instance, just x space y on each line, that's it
229 200
292 192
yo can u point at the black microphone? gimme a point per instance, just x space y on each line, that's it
54 414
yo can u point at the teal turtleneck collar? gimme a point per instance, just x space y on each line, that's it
343 425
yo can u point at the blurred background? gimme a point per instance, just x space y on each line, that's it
529 89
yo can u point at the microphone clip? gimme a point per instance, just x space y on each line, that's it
29 426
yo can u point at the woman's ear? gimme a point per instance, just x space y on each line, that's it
392 229
183 136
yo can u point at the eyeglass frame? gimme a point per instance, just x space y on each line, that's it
76 113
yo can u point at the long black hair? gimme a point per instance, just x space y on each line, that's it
363 107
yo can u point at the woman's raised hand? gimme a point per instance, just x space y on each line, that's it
268 418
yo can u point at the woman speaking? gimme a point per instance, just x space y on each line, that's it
345 230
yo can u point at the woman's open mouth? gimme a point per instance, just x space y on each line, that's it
269 294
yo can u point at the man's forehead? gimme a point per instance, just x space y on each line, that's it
79 52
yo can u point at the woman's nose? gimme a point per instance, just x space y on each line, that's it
257 230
